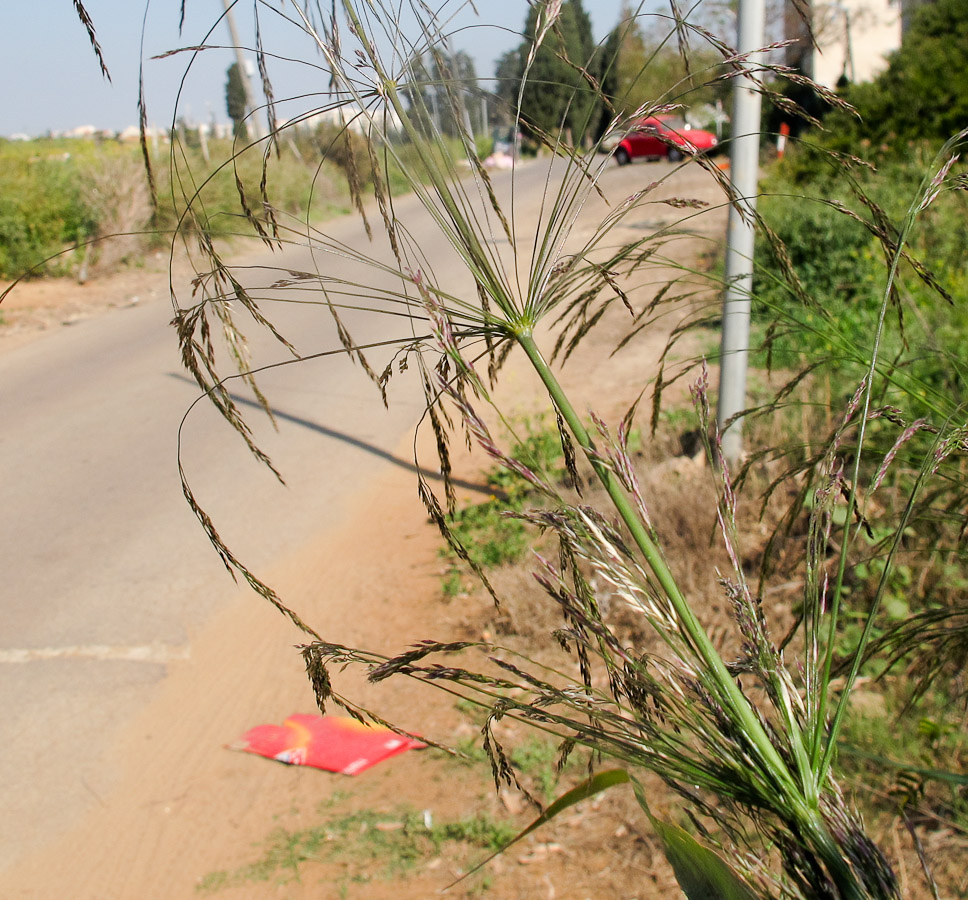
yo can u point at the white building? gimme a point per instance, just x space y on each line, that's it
852 38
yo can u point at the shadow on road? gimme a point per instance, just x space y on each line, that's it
352 441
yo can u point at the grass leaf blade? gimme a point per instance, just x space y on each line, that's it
702 874
588 788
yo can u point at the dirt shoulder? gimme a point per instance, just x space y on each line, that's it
38 306
34 308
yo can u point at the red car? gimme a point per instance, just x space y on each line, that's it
663 136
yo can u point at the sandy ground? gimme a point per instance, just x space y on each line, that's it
184 806
35 307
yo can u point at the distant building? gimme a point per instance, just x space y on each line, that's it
349 116
82 131
852 39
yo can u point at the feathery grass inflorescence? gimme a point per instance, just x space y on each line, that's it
749 741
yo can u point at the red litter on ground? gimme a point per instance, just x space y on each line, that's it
333 743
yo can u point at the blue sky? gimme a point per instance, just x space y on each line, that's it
52 81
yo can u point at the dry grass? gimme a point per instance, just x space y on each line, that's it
115 191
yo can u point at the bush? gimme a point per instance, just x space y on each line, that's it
840 265
297 183
917 103
826 333
42 212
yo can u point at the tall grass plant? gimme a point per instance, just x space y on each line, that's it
748 738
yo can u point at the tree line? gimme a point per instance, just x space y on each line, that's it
575 86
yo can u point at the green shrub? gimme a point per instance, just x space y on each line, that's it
923 94
41 209
840 264
491 537
56 194
299 186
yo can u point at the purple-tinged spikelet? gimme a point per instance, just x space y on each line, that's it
903 438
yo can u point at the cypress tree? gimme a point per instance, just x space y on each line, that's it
557 96
235 101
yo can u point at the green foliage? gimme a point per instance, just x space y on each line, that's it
368 843
507 79
923 94
476 831
42 211
298 187
917 757
647 68
537 758
453 584
235 101
596 784
906 566
701 873
540 450
491 537
840 264
556 96
445 92
840 268
49 200
831 253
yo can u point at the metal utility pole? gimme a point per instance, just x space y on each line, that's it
744 174
253 122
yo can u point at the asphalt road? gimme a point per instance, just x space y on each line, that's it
105 572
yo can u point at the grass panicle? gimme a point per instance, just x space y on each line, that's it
747 737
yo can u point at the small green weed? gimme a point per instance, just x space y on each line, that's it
490 537
369 844
453 584
913 759
475 831
540 760
471 752
540 450
536 759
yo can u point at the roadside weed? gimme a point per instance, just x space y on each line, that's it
365 845
489 537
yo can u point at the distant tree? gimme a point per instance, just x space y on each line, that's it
631 58
924 91
584 26
605 69
235 101
466 76
421 95
647 67
806 98
444 93
557 96
507 78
